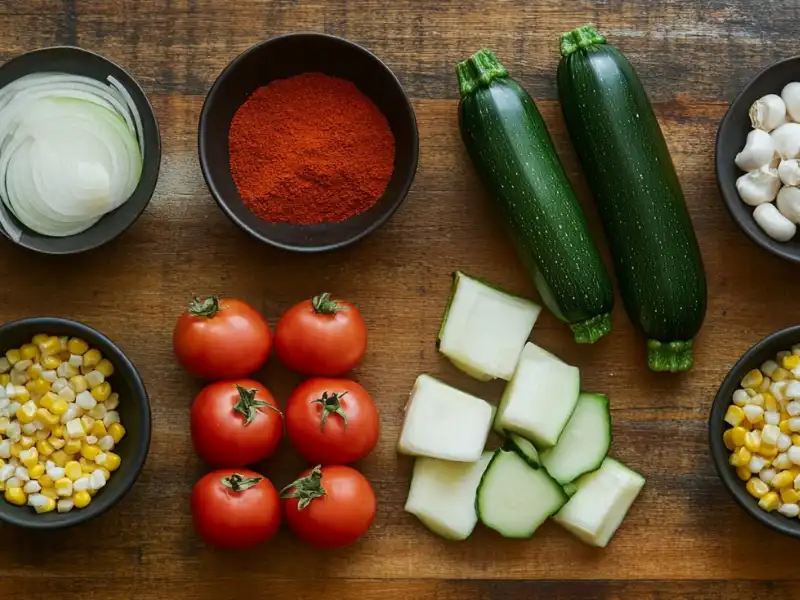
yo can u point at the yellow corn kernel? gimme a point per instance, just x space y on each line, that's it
60 458
32 458
59 407
65 483
752 441
46 417
45 448
738 435
5 379
92 358
13 356
36 471
727 438
78 383
790 362
34 371
784 426
757 488
769 502
89 451
741 457
81 499
28 352
26 413
39 386
782 479
102 392
77 346
26 442
746 425
50 491
56 442
46 401
45 508
112 461
51 346
46 481
752 379
2 486
51 363
16 448
64 355
790 496
770 404
98 430
116 431
73 447
780 375
734 415
16 496
105 367
73 470
39 338
58 431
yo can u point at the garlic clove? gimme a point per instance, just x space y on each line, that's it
787 140
758 150
789 171
758 187
768 112
791 98
789 203
773 223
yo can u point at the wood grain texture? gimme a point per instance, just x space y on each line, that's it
684 538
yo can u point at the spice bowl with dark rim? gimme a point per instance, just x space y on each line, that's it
280 58
77 61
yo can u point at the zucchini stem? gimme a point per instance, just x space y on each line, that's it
479 70
591 330
585 36
672 357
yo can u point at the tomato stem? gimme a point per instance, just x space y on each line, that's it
249 407
204 308
323 305
306 488
238 483
331 405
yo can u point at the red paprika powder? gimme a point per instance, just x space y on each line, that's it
310 149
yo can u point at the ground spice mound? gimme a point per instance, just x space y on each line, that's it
310 149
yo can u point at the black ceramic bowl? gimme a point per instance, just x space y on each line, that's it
731 138
83 62
764 350
134 410
286 56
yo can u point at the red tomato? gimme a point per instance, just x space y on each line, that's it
235 508
221 339
331 421
235 423
330 507
321 336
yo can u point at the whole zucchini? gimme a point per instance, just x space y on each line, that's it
630 172
511 149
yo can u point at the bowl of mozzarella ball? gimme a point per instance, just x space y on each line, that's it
758 159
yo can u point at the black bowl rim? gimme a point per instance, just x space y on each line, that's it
761 240
204 161
103 240
719 453
104 501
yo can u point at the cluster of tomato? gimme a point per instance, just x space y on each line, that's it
236 422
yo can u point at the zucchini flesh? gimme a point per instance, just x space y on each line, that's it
631 175
509 144
524 448
514 499
442 495
596 510
485 328
584 443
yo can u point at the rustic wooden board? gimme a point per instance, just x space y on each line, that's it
684 537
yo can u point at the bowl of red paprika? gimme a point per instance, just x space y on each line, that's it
308 142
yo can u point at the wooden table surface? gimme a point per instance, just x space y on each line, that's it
684 538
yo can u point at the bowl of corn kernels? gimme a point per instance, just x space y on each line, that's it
754 431
74 423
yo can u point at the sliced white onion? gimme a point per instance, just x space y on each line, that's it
70 152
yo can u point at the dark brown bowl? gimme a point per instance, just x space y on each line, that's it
731 137
764 350
282 57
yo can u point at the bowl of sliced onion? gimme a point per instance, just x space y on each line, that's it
80 150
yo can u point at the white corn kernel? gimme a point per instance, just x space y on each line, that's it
11 390
87 422
94 378
772 418
769 435
55 472
71 414
99 411
106 443
65 491
757 463
793 408
76 360
113 401
21 473
782 462
101 458
29 429
794 454
21 365
13 482
65 504
784 442
91 439
111 417
50 376
14 431
31 487
789 510
67 393
740 397
86 401
75 428
6 471
768 368
4 365
97 480
758 400
792 390
38 500
81 484
19 378
58 385
5 449
777 388
794 424
753 413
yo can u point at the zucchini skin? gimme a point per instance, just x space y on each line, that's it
511 149
641 204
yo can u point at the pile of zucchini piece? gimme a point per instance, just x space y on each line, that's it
554 461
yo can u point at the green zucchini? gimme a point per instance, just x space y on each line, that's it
509 144
631 175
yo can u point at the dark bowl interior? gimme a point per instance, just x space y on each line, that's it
134 410
83 62
283 57
731 138
764 350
